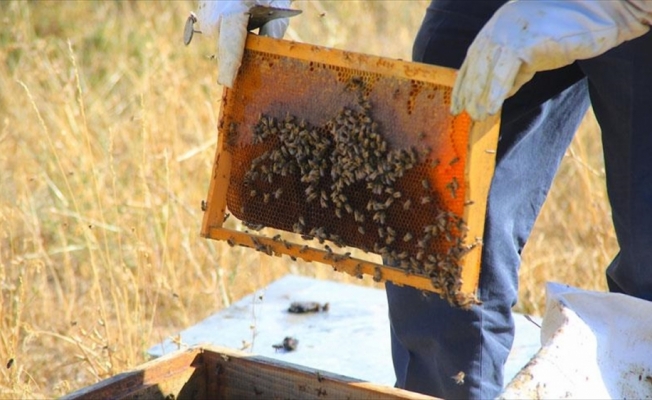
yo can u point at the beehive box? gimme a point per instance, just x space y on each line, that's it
220 373
329 151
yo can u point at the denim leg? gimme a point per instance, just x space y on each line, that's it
431 341
620 86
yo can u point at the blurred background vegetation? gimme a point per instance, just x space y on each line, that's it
107 136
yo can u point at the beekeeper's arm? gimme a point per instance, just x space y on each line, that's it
226 21
526 36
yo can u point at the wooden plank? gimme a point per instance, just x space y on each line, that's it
180 374
483 140
359 61
218 186
242 376
350 265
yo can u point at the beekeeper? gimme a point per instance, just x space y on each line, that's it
541 64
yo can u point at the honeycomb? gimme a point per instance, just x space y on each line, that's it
349 157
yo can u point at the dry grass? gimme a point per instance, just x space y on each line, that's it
107 134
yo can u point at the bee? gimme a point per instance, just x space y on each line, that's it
254 227
266 198
459 378
454 161
407 237
252 193
361 230
231 242
188 31
319 232
277 193
428 267
342 257
453 186
358 271
406 204
378 275
204 206
425 184
425 200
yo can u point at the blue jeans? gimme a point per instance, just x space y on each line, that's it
431 341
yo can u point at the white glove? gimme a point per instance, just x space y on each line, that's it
227 20
526 36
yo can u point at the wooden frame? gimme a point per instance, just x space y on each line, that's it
483 137
221 373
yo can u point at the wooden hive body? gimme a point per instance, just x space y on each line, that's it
220 373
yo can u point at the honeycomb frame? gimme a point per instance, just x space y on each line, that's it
396 88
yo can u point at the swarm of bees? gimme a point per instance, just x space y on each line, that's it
348 171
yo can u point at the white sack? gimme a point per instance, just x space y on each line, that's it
594 345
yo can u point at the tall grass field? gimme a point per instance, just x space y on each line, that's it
107 137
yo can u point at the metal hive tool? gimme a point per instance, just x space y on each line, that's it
345 149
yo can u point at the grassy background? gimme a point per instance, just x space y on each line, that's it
107 136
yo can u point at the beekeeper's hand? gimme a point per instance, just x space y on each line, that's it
526 36
226 20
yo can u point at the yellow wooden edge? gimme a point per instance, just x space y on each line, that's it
481 157
346 59
218 186
340 262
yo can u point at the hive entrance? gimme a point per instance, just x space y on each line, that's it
330 146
